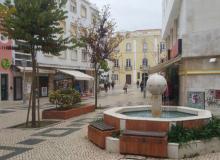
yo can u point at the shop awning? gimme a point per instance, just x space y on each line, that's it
29 69
77 75
164 65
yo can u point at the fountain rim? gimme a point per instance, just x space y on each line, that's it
199 113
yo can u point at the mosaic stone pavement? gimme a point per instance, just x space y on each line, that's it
66 140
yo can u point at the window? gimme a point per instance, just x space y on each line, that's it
73 6
114 77
162 47
145 47
83 12
116 63
74 55
84 55
128 47
145 62
128 62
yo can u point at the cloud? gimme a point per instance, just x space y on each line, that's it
134 14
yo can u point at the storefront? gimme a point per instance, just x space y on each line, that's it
6 76
170 70
73 79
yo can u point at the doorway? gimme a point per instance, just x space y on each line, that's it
18 92
4 87
43 86
128 79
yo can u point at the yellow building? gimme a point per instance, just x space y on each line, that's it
135 55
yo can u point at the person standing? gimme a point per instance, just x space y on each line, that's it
125 88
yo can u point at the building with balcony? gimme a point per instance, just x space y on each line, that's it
191 32
59 71
135 55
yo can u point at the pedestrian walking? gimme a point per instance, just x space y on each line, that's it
138 83
113 84
125 88
106 87
142 86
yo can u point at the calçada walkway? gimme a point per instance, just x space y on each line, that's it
66 140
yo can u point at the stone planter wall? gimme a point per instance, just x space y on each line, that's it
193 148
55 114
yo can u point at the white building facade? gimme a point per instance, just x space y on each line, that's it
50 77
191 29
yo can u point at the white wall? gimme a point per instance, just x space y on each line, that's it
68 62
198 25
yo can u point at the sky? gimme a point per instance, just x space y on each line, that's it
131 15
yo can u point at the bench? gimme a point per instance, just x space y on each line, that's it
146 143
102 126
98 131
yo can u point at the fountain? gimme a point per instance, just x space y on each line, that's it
150 123
156 85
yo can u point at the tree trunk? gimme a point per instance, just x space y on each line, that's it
33 122
96 87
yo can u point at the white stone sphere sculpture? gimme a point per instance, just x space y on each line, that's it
156 84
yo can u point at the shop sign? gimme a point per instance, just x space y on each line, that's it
5 63
212 98
196 99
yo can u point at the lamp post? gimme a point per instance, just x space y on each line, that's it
24 64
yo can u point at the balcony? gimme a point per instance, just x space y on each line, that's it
128 68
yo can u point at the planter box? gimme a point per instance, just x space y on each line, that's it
144 146
97 136
55 114
193 148
112 145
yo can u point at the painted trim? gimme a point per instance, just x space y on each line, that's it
199 72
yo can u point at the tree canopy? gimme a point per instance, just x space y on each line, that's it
36 23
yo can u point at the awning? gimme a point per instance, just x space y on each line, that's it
77 75
29 70
164 65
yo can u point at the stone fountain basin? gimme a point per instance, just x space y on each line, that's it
116 118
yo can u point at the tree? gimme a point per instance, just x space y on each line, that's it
104 65
100 41
36 23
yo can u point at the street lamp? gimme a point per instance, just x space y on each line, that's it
24 64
